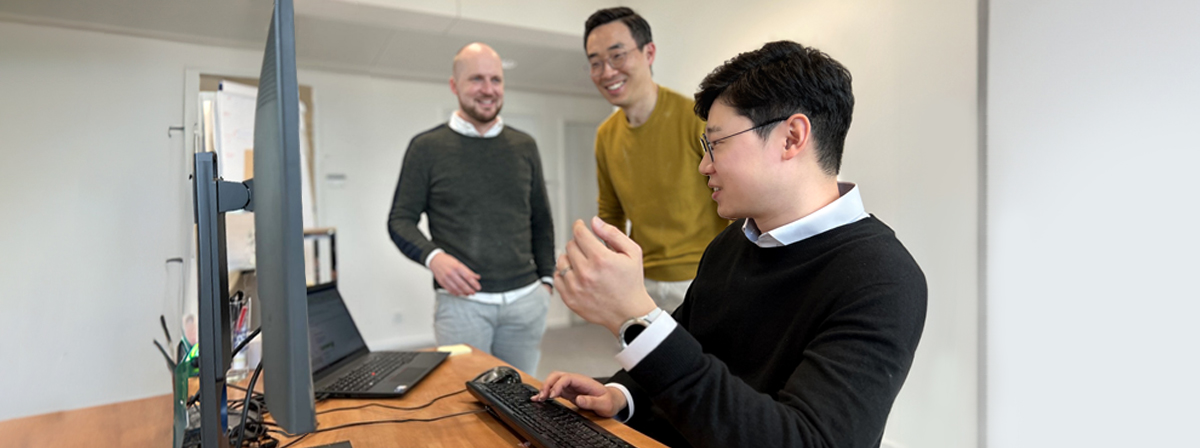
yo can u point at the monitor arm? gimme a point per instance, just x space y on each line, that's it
212 198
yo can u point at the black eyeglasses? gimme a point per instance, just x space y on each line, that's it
708 146
615 60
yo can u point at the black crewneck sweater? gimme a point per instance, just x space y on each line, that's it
804 345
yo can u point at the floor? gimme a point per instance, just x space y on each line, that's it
585 348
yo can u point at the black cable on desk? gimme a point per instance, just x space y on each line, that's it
241 427
295 441
372 422
398 408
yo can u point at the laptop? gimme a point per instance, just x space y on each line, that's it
343 366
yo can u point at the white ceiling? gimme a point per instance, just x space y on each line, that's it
337 35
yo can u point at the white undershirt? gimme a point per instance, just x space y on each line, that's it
462 126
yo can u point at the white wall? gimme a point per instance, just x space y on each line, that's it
95 199
90 187
1092 153
912 149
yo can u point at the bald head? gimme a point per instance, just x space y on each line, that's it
478 82
472 52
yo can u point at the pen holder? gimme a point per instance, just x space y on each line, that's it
239 329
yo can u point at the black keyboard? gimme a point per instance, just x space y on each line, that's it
546 424
377 367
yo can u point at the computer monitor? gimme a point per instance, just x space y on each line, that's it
274 197
279 231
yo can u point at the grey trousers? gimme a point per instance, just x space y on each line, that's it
512 332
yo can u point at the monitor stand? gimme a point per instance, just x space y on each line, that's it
214 197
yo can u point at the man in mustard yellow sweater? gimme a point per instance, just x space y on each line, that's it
646 157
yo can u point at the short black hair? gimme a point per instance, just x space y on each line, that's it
784 78
638 27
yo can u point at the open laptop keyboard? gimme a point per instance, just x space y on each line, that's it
546 424
376 368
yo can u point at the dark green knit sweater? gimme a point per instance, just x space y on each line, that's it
486 202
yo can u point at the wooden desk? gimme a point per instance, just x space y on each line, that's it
147 422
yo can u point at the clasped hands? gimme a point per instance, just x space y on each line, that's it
603 286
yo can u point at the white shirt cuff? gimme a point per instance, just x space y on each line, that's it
548 281
646 342
628 402
429 258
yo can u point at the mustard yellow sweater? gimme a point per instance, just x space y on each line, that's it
648 175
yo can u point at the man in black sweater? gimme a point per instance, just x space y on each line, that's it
801 325
492 251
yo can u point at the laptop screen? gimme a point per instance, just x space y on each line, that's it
331 332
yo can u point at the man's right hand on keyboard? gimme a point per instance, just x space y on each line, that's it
584 391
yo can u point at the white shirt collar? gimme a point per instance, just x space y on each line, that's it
464 127
846 209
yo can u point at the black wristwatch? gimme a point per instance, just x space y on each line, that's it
634 326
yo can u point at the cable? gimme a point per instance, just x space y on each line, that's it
398 408
372 422
245 341
192 400
241 427
256 393
295 441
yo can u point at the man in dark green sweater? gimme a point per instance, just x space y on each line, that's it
801 325
492 250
